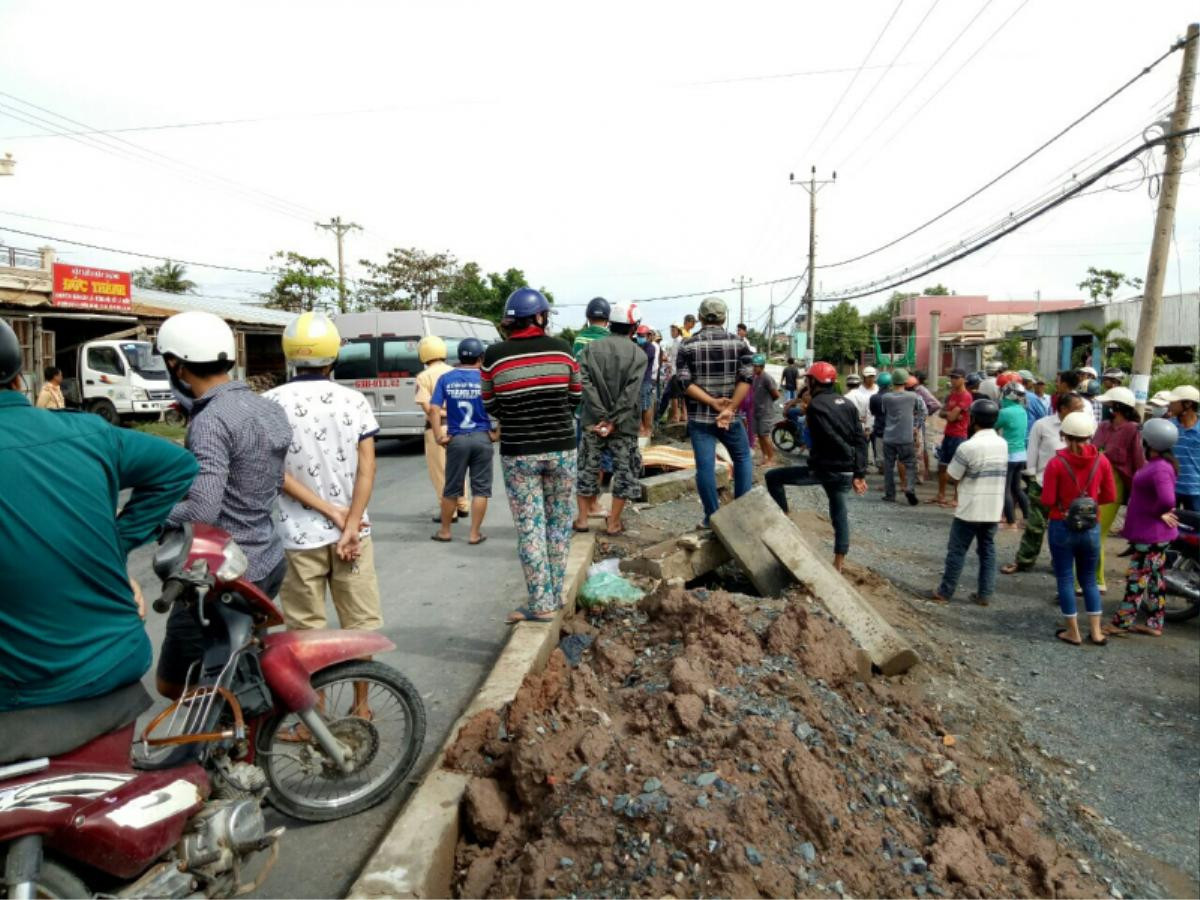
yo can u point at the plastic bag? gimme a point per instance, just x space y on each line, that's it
605 588
612 566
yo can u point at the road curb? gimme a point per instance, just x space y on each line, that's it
416 856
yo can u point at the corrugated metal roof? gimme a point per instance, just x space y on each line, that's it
230 310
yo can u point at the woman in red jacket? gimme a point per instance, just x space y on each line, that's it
1078 470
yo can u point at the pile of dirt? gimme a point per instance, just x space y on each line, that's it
716 744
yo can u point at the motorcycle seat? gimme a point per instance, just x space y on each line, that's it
39 731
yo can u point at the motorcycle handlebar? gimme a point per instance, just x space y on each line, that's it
172 591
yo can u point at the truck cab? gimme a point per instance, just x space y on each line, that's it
119 380
379 359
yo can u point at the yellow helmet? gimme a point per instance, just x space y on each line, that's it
431 347
311 340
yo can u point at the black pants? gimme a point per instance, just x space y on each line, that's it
837 487
183 644
1014 493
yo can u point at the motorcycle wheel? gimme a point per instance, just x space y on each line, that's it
305 784
56 882
783 437
1181 609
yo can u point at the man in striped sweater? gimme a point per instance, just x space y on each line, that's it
531 386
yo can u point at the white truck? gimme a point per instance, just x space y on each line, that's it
118 380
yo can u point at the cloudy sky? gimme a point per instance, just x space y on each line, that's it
631 150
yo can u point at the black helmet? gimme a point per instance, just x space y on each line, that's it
470 349
974 379
10 354
598 308
984 413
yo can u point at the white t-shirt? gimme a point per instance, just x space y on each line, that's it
861 398
328 420
1045 440
980 466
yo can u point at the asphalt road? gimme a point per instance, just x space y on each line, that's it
444 607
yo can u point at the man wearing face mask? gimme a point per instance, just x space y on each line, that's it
241 442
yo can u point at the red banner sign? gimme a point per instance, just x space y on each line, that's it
88 288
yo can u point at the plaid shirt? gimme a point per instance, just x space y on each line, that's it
715 361
241 442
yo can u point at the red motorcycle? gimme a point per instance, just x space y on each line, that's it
299 719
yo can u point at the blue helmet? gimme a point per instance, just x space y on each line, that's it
598 308
525 302
470 349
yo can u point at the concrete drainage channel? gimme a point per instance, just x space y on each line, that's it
416 857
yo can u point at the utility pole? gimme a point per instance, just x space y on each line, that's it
340 229
740 281
1164 223
812 187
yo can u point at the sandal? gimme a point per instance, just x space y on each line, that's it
525 614
440 540
296 733
482 538
1066 640
575 527
1010 569
1101 643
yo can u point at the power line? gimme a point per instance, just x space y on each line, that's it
1112 96
159 256
876 287
920 80
853 79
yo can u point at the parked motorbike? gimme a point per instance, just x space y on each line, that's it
299 719
788 435
1183 570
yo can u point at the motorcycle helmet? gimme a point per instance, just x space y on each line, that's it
884 379
995 367
643 331
1014 390
853 381
869 372
973 381
598 309
469 350
822 373
1160 435
431 348
1006 378
1118 394
10 354
197 336
984 413
523 303
758 360
1081 425
311 340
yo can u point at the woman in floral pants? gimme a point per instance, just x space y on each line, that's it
1146 587
531 386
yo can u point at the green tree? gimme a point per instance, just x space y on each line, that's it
302 283
1104 283
881 316
470 293
840 334
568 335
1012 351
169 277
938 290
1104 337
409 278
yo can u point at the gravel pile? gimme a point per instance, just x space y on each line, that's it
716 744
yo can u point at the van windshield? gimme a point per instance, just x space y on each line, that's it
144 360
386 357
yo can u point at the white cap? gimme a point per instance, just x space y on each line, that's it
1185 392
1089 371
1162 398
869 371
1079 424
1118 395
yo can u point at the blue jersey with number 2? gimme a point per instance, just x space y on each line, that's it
459 391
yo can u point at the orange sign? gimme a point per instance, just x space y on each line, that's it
87 288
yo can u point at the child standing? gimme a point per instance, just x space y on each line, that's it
1150 525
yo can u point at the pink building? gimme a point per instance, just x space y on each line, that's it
969 318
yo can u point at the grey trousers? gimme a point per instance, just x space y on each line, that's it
893 453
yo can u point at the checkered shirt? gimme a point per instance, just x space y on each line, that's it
715 361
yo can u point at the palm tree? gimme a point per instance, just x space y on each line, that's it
1104 337
168 278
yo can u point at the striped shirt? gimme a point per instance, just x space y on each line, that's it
531 386
1187 452
980 466
712 360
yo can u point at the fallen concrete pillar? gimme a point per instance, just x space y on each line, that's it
740 525
885 647
670 485
687 557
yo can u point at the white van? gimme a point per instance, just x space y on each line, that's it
379 358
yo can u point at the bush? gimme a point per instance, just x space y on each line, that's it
1173 378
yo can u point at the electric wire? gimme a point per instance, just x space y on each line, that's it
1029 156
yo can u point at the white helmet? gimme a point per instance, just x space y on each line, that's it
196 336
624 314
1079 425
1118 394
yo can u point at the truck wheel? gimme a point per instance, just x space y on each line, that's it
105 410
173 416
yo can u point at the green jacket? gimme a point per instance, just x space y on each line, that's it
1012 426
69 628
590 333
612 371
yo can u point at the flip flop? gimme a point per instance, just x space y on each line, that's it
525 614
440 540
580 530
1059 634
482 538
1092 640
620 531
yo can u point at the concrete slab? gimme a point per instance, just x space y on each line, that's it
416 856
740 526
882 643
685 558
670 485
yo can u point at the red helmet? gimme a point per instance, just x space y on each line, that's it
822 373
1007 377
643 329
